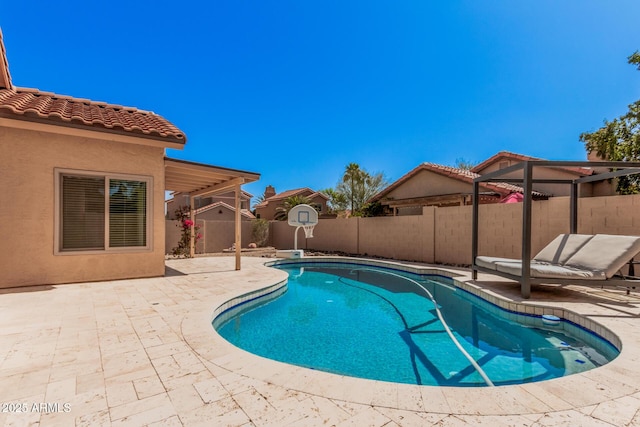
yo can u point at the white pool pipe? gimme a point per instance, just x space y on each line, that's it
446 327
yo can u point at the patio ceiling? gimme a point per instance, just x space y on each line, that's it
197 179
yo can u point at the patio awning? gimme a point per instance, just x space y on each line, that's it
198 179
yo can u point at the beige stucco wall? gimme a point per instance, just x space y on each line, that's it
27 162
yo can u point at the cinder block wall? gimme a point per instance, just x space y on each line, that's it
439 235
443 235
610 215
401 237
332 233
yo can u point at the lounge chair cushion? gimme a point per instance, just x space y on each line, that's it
605 253
562 248
490 261
549 271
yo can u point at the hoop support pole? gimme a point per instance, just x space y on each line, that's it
295 238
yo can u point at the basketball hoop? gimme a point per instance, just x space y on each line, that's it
305 217
308 230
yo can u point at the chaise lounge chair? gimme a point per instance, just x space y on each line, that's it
573 259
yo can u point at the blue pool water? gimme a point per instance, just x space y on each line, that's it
372 323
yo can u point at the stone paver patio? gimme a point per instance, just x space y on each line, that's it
143 352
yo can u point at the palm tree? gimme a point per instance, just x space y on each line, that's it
282 212
338 201
354 176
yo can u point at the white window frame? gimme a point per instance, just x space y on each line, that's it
57 249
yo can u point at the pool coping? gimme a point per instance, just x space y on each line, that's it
614 380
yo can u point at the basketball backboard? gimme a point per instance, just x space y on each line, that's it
301 215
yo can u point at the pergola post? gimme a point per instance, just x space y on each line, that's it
474 228
238 225
573 209
525 283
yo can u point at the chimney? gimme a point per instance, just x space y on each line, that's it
593 156
269 191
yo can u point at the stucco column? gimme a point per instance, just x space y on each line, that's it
238 224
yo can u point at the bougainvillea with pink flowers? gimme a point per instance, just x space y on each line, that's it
185 223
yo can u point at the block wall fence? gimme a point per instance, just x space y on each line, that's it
439 235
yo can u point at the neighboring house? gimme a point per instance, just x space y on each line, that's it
268 208
205 206
82 187
221 211
435 185
431 184
505 159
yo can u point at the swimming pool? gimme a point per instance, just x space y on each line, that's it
379 323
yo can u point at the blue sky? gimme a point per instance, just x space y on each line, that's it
296 90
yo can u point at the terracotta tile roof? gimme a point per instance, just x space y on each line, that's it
48 107
289 193
318 194
521 158
243 212
454 173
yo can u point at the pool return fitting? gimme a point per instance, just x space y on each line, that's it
446 327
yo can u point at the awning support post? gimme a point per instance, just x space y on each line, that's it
238 224
192 217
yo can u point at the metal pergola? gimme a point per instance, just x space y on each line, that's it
526 178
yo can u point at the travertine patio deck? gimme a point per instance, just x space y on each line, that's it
143 352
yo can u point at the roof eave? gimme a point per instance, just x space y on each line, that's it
65 128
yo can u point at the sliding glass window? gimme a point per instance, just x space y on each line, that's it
103 212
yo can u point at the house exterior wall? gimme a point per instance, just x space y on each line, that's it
263 212
426 183
27 203
319 202
175 203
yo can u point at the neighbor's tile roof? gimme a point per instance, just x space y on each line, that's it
457 174
469 176
521 158
243 212
289 193
65 110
